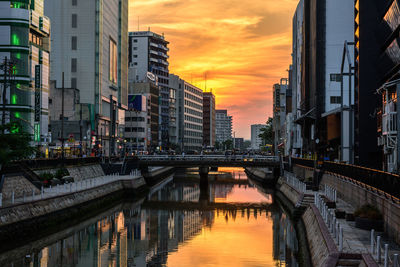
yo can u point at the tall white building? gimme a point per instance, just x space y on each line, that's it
25 42
190 114
90 46
256 140
297 48
223 125
148 52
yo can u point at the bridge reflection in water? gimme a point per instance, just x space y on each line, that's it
141 235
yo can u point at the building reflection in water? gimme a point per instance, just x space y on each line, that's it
285 240
145 237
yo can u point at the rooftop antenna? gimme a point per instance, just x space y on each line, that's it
149 28
138 23
205 81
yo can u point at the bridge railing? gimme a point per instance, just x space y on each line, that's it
208 158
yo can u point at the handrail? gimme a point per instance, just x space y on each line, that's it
376 251
208 158
384 183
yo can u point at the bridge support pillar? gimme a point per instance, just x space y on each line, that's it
204 192
204 170
276 172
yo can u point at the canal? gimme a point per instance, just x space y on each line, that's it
231 222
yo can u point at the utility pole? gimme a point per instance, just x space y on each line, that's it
80 129
5 70
62 120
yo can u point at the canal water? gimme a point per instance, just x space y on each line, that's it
233 223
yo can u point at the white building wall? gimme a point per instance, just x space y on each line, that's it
296 78
140 55
339 28
256 141
60 12
223 130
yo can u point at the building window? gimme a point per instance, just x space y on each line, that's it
74 42
135 48
113 62
74 2
135 63
73 64
135 56
73 83
135 40
74 20
336 100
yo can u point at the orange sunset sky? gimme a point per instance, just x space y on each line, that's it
243 47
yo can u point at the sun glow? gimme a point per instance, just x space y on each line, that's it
241 47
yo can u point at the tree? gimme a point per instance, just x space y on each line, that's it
267 133
228 144
14 143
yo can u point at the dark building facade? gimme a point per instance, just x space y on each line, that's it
385 18
209 123
375 40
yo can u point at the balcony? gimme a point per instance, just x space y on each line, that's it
389 123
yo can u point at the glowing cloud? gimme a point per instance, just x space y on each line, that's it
243 48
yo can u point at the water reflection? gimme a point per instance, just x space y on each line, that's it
131 235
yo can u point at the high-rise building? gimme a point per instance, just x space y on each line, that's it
238 143
297 50
143 118
209 122
25 46
148 52
279 114
223 127
256 140
137 123
90 47
326 26
190 114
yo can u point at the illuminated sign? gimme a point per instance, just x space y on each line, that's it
137 102
37 93
151 76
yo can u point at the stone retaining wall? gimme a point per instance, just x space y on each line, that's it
289 192
18 184
358 196
26 211
79 172
322 247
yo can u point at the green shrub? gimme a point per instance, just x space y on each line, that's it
46 176
61 172
368 212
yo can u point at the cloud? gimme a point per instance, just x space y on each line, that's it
243 47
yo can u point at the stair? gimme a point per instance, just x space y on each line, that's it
306 201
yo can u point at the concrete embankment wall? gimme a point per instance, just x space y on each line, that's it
359 196
30 221
322 248
18 184
27 211
321 245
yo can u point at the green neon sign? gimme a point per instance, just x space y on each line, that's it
14 99
15 39
37 133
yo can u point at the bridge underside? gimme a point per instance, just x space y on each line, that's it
173 205
213 164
